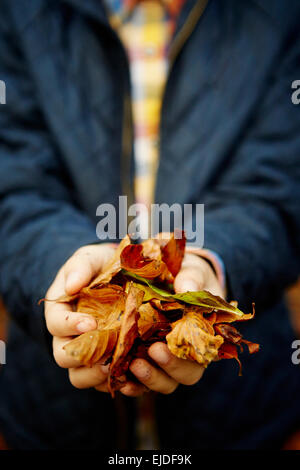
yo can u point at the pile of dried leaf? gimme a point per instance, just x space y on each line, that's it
134 304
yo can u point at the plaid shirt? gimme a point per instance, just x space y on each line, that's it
145 28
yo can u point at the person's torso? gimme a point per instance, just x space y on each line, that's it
82 80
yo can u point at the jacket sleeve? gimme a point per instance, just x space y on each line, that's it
252 216
40 225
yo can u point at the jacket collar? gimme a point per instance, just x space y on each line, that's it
97 9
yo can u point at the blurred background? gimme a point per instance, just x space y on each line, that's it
3 323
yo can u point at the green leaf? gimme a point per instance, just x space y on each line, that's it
201 298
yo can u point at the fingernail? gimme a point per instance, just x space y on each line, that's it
189 286
160 355
86 325
72 280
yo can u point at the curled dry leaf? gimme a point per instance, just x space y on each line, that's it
133 260
151 249
173 252
128 334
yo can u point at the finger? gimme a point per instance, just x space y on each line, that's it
61 357
197 274
152 378
87 377
84 265
62 322
132 389
183 371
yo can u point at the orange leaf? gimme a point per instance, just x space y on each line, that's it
102 307
133 260
173 252
193 337
127 336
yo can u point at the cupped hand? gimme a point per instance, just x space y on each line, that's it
64 324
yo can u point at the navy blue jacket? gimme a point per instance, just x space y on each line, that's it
229 138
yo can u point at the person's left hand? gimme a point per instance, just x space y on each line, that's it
195 274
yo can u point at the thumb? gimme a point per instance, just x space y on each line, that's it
189 279
84 265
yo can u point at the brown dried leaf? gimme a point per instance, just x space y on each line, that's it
233 336
151 321
133 260
107 302
93 346
112 267
229 351
127 336
227 317
193 337
232 339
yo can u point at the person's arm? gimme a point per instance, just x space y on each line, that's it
40 226
252 214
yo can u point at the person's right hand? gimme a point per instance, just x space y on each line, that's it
64 324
